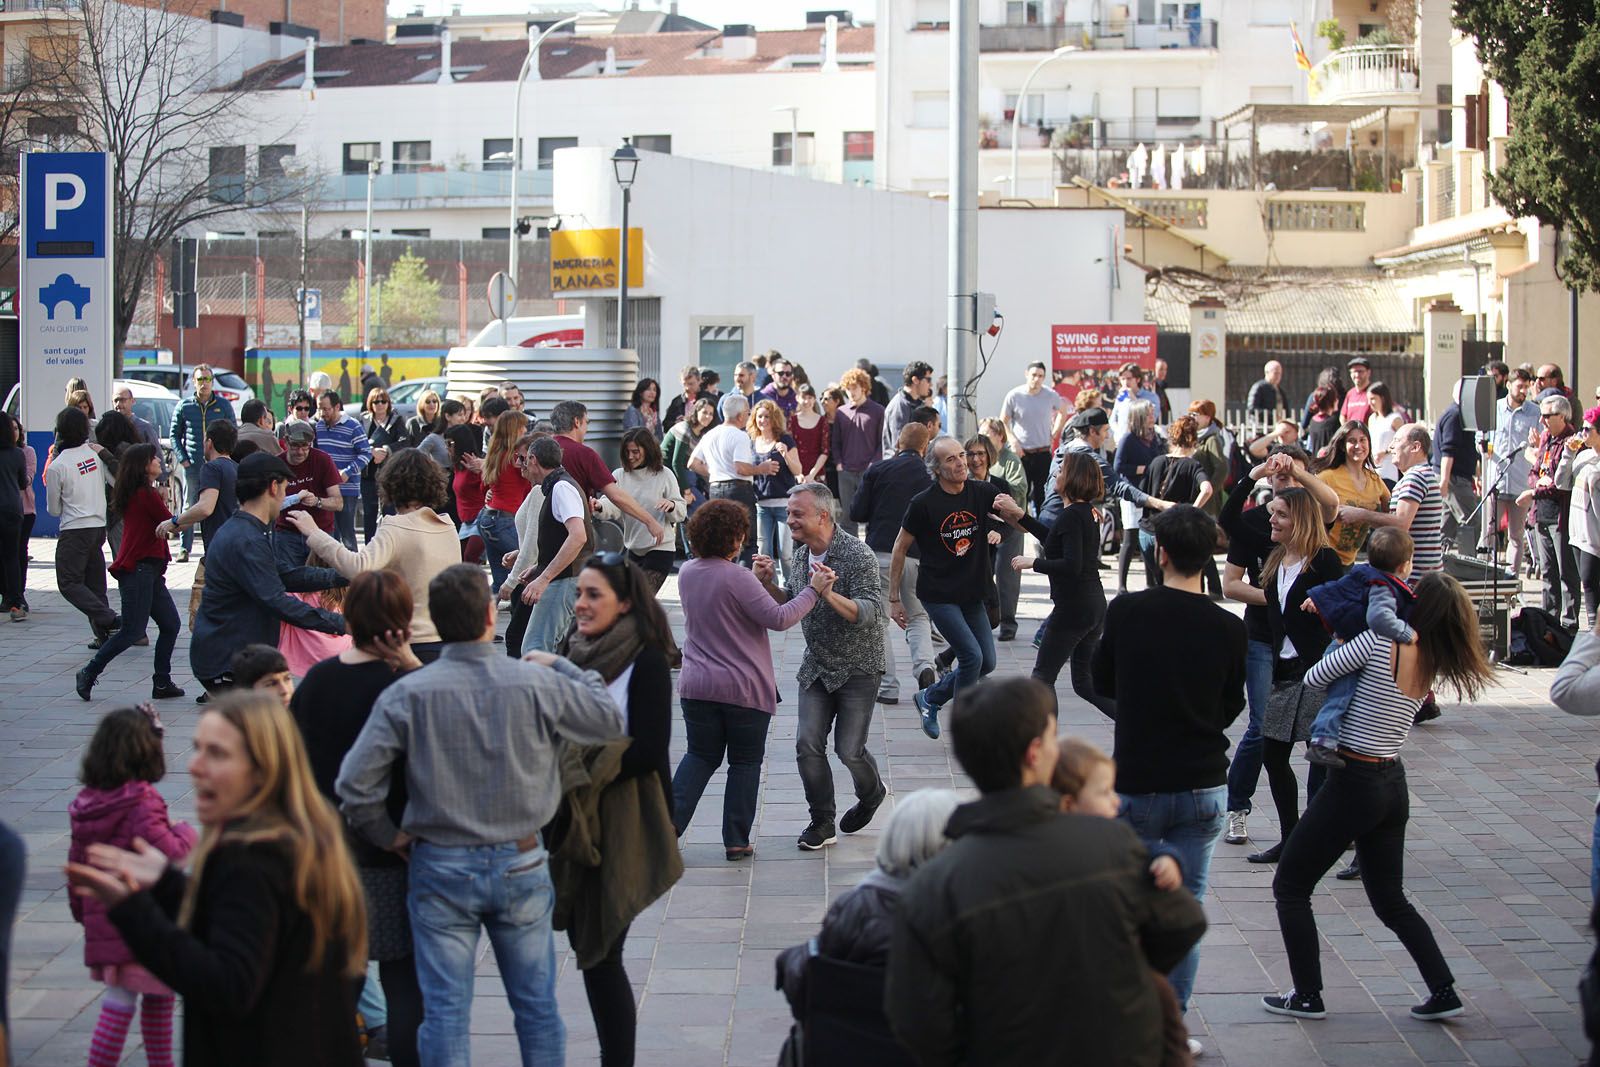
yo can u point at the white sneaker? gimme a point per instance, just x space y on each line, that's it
1196 1049
1236 834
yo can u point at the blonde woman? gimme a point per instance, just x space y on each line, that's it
428 419
504 488
266 939
769 436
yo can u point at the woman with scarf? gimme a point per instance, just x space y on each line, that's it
621 632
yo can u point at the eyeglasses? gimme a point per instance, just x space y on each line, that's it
301 409
980 454
202 377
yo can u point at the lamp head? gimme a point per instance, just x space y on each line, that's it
625 161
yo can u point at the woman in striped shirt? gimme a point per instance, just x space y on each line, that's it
1366 801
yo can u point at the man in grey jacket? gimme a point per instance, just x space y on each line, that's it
844 661
478 733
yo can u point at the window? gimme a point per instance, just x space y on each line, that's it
357 154
422 232
654 142
226 184
53 126
548 146
1022 12
782 157
270 157
412 156
1032 108
1177 107
930 111
858 146
496 146
1367 29
496 233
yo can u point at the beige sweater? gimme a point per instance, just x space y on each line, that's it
417 546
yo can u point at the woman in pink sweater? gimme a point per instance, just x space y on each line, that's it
727 686
118 805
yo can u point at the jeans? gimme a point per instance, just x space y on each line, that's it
1559 570
144 597
849 485
1366 803
371 507
499 532
344 520
1460 501
10 560
1062 643
1007 579
740 491
454 892
1190 823
1516 521
1328 726
373 1007
81 575
966 628
517 622
776 540
22 553
711 729
289 549
848 711
1245 770
552 616
919 633
1594 861
191 494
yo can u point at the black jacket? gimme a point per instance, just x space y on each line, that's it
248 1000
1032 934
1305 629
880 501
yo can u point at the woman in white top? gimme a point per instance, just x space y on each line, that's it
655 487
769 436
524 560
1383 420
1366 801
1583 520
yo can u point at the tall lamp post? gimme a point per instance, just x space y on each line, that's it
516 131
373 167
625 162
299 168
1016 115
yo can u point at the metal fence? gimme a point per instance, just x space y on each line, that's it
1396 361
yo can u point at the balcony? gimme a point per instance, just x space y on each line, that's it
455 188
1112 34
1367 74
24 7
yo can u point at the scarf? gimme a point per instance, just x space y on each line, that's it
607 654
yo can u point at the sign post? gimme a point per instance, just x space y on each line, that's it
502 301
66 290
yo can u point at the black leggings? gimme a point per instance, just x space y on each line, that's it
611 1003
1125 554
1064 642
1366 803
1285 786
517 624
404 996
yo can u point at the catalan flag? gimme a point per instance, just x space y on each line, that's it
1301 60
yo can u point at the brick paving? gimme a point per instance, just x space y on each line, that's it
1502 809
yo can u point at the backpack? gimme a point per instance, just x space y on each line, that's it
1538 639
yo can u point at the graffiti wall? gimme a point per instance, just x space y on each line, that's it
275 372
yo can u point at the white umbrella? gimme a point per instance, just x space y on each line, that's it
1158 166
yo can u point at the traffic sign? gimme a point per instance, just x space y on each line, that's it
311 301
502 295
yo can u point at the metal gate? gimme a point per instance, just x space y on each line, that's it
644 334
1396 361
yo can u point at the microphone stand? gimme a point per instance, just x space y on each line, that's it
1491 492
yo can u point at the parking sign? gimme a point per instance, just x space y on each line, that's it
311 300
65 294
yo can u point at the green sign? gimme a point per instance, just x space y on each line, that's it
8 301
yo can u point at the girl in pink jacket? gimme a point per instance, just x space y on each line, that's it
117 805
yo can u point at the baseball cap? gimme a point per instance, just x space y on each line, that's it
1089 418
261 465
1359 361
301 433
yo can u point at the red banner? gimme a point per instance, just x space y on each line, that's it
1102 347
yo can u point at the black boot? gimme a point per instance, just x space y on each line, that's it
164 688
84 681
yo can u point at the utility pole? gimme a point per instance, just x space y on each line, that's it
305 345
961 336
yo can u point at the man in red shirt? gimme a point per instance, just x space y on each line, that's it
1355 404
314 481
570 420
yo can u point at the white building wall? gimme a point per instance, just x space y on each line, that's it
829 273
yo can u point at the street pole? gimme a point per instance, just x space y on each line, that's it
373 166
622 294
516 133
961 331
305 345
1572 337
1016 114
794 141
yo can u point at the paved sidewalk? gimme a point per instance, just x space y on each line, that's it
1502 807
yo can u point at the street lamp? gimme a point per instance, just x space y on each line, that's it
1016 115
794 136
516 131
625 162
373 167
298 167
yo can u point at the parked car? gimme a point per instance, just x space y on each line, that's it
404 394
228 384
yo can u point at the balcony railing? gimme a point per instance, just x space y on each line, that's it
1365 72
1109 34
423 185
10 7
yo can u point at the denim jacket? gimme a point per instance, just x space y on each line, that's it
246 596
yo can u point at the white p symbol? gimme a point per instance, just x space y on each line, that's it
54 203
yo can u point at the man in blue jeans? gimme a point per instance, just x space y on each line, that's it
1174 663
479 734
949 522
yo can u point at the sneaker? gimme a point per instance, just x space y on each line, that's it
83 682
885 698
1299 1005
926 677
1442 1004
1008 633
857 817
930 716
94 645
1237 835
1323 756
1038 638
18 614
818 835
1351 873
181 556
164 689
1196 1049
739 852
377 1044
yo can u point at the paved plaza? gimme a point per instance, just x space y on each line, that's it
1502 806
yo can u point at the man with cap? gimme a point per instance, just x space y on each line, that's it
247 588
1087 432
1356 404
314 481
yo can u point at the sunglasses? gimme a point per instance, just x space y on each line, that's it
202 377
784 374
520 460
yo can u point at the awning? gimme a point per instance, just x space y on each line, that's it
1284 300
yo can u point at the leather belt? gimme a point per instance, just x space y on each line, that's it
1034 451
1362 757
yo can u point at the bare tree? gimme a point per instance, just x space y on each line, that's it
147 91
32 118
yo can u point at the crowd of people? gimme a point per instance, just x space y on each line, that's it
426 773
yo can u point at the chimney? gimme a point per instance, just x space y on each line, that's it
611 62
445 77
830 45
739 41
310 83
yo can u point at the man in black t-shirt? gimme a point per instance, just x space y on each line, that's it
948 524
